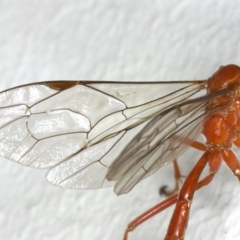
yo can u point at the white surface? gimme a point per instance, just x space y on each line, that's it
113 40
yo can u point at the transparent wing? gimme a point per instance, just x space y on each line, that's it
81 128
164 138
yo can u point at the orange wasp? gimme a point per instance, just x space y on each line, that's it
99 134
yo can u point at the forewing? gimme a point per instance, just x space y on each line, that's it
81 127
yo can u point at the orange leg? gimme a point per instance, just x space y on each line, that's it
199 146
214 164
178 223
237 142
232 161
160 207
177 174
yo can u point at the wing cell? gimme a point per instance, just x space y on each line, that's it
80 167
56 122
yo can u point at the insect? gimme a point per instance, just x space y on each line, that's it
99 134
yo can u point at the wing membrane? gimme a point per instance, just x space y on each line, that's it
95 134
164 138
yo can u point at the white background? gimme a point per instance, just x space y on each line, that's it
114 40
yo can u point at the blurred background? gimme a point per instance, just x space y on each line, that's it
116 40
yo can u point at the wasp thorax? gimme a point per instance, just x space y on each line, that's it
226 77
